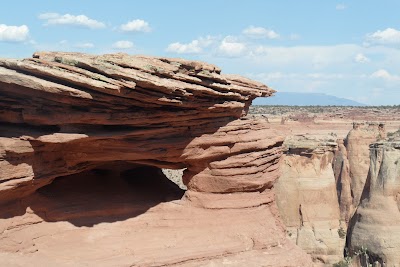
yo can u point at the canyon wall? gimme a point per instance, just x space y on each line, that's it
83 141
375 226
351 165
367 177
307 198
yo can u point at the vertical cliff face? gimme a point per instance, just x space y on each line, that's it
351 165
83 141
307 199
341 168
357 145
376 225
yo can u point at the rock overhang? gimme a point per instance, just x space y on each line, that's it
124 84
67 115
74 111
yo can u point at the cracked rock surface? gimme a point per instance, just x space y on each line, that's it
376 223
307 199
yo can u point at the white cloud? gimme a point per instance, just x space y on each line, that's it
381 74
231 48
385 75
385 86
260 32
329 69
13 33
191 48
68 19
84 45
361 58
137 25
228 46
341 6
388 36
194 47
315 57
314 76
122 45
300 82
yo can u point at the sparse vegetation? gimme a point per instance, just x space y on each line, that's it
270 109
289 233
342 233
62 60
346 262
361 253
368 113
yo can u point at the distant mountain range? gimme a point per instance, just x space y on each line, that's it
305 99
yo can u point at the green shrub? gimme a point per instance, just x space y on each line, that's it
342 233
346 262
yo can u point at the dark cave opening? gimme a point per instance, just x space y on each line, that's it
111 192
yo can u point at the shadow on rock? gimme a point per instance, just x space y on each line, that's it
98 196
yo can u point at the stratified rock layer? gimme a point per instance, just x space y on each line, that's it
376 225
76 133
307 199
90 108
351 165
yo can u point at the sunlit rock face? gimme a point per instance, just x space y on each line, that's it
83 141
307 198
351 165
376 225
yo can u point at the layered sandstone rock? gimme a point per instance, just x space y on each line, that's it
77 132
341 169
307 199
375 227
351 165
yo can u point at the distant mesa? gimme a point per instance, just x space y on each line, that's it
305 99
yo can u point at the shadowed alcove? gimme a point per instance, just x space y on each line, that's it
113 192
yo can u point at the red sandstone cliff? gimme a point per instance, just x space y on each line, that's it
82 142
351 166
375 226
307 199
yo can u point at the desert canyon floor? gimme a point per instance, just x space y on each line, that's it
322 120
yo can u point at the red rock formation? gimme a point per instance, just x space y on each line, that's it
341 168
95 121
351 166
375 227
307 199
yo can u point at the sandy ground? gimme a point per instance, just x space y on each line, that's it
340 127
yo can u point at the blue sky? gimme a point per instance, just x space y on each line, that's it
348 49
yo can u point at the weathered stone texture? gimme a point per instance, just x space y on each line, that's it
307 198
82 142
